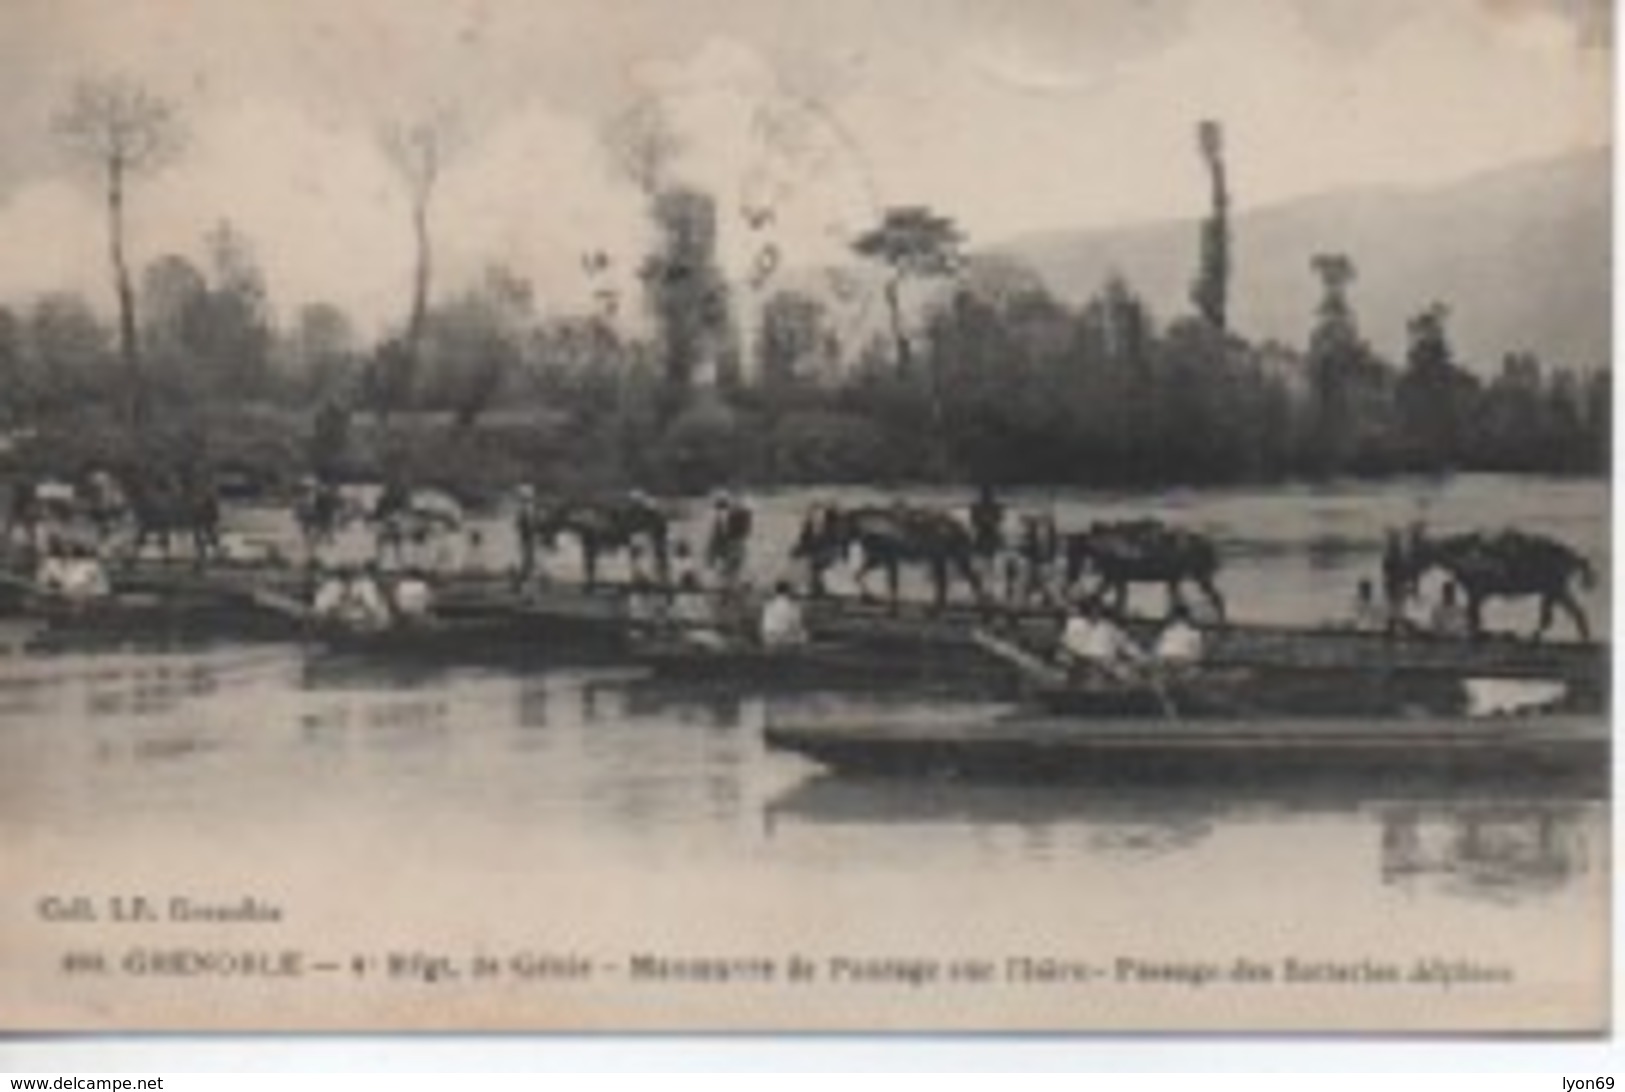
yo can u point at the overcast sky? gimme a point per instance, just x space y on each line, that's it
1009 116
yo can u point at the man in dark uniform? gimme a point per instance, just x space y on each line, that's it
525 525
725 546
24 514
1397 579
389 518
987 523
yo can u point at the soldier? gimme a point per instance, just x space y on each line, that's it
726 544
527 531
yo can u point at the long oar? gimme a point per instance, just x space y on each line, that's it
1158 687
1031 667
278 603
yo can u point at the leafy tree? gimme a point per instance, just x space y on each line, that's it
1599 404
69 348
238 321
685 289
1565 416
17 397
913 243
174 292
320 353
330 440
1115 385
389 379
1433 393
1510 428
793 338
474 344
210 336
1201 432
1337 360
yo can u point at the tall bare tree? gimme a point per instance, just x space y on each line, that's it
126 131
419 152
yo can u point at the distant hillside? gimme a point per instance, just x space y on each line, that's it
1521 256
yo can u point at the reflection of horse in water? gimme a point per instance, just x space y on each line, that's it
1502 852
1508 565
887 538
1143 552
629 524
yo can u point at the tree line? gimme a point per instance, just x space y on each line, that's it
977 373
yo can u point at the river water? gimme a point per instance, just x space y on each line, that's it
550 819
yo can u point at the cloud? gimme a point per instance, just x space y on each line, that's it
1009 117
55 240
318 203
536 194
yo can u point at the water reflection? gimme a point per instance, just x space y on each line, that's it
1496 851
1445 841
721 706
246 741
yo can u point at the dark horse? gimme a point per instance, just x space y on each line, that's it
1509 565
322 512
1143 551
170 504
888 537
602 525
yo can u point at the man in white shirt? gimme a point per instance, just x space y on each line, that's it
364 603
1092 641
414 599
782 623
52 575
87 578
1180 646
331 590
73 573
1367 615
1450 618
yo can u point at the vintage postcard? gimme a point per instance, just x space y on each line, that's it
733 515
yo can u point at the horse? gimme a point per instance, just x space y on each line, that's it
321 511
608 524
890 536
174 505
1509 565
1143 552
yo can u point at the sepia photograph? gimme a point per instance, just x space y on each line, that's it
1082 516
